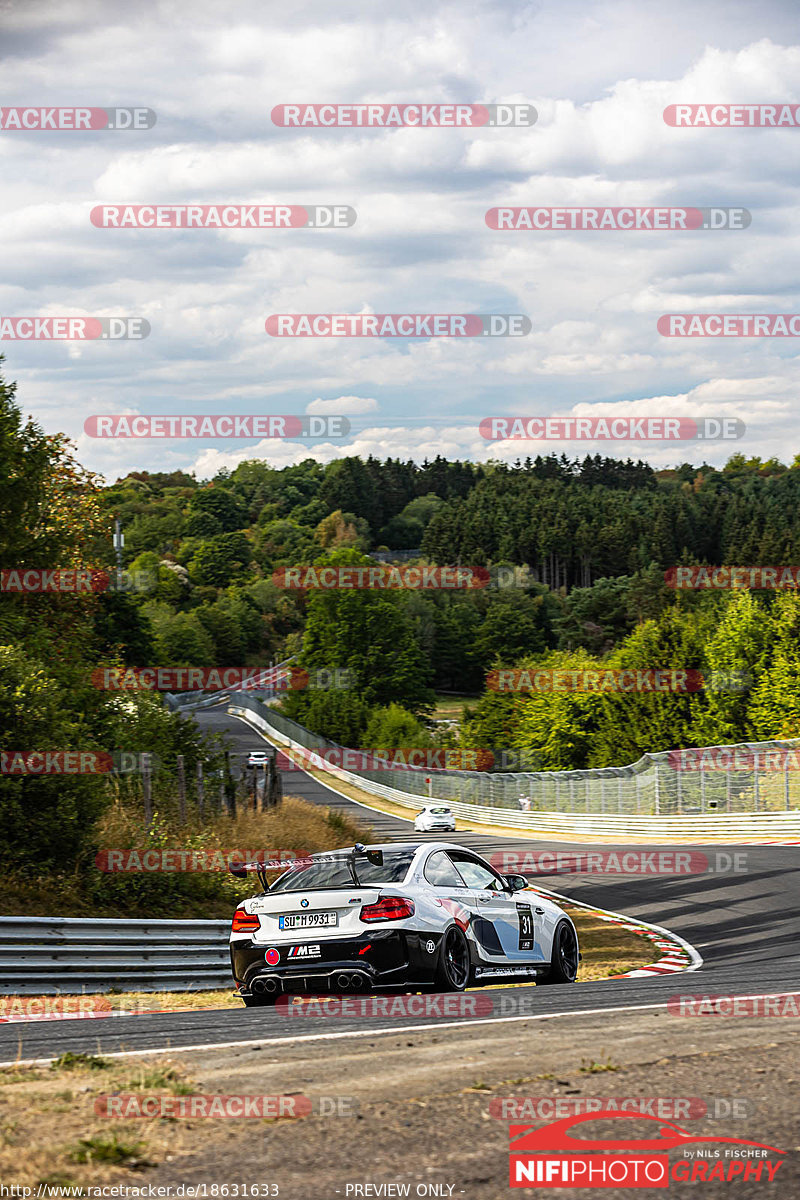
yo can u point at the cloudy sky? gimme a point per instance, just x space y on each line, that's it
599 75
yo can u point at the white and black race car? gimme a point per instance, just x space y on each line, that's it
404 916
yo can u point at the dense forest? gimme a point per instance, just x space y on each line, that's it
590 540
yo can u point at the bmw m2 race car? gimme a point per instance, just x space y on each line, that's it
405 917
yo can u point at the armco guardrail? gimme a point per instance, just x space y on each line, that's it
45 956
731 827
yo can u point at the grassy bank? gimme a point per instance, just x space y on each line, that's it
89 891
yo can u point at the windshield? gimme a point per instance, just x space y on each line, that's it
334 872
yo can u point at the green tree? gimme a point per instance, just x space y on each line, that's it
218 502
392 728
367 632
221 560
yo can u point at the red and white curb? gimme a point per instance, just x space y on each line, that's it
678 955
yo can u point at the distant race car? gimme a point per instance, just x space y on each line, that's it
435 818
258 758
402 917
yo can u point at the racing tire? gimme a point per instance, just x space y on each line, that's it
564 959
258 1001
454 966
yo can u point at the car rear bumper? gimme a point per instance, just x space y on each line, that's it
383 958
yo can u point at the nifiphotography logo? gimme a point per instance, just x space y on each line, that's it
550 1156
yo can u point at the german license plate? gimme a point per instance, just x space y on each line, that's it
308 920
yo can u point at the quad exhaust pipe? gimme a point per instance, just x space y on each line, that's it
265 986
343 981
348 982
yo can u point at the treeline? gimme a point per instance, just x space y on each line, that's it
573 528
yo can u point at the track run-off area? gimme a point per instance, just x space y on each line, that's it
744 923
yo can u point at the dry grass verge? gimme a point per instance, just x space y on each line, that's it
295 824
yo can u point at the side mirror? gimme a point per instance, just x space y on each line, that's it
516 882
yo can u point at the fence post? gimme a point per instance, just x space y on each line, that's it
728 788
679 787
201 796
702 785
558 796
229 785
619 794
602 793
786 781
181 772
756 796
658 794
146 791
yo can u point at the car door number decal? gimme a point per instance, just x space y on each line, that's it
525 927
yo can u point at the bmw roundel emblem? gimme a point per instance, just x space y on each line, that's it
273 956
304 904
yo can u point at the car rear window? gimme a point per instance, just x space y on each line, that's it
441 812
335 872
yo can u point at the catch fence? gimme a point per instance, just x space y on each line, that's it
751 777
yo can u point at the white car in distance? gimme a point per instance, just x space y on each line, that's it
258 758
435 818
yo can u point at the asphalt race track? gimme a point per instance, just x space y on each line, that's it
746 926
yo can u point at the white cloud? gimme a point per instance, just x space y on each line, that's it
349 405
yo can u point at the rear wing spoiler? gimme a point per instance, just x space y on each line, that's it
261 867
240 870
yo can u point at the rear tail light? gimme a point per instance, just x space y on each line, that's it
390 908
244 922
